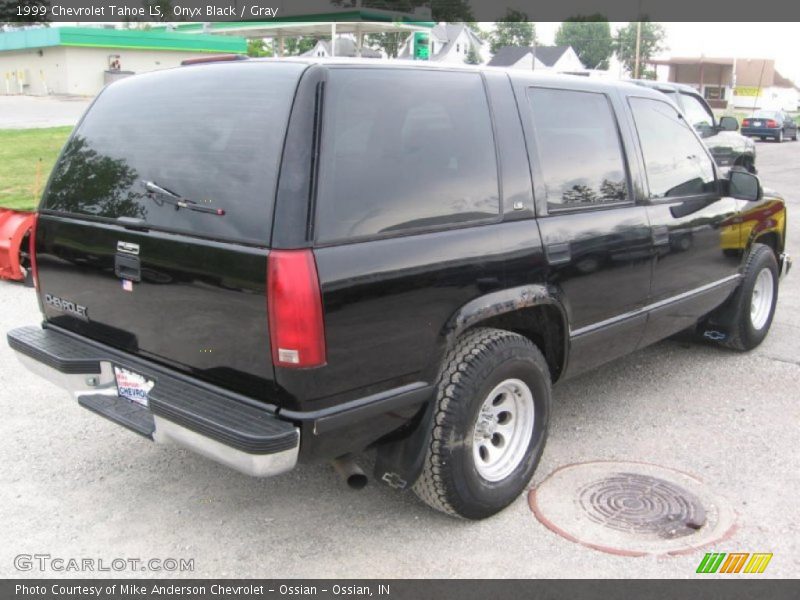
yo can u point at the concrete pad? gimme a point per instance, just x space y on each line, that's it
25 112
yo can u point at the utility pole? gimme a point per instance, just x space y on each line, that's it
638 48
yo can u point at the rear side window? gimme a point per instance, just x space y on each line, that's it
404 150
212 134
676 162
578 148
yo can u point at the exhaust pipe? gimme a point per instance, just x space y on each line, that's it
348 470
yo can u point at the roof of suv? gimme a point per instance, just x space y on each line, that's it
665 86
515 74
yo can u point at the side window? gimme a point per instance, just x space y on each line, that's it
696 113
578 148
675 160
404 150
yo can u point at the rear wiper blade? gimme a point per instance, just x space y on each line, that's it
179 201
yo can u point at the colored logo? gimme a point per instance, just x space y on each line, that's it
735 562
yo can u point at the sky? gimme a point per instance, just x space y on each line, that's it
778 41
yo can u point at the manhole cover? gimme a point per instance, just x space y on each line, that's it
631 508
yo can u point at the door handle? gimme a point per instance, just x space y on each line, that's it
558 253
660 234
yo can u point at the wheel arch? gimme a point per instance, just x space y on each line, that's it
769 238
534 311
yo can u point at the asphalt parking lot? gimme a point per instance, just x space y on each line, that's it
73 485
23 112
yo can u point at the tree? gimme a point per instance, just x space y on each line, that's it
472 57
440 11
591 39
474 28
389 42
106 184
256 47
652 41
452 9
297 45
513 30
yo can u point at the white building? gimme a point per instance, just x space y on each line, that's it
343 47
742 83
450 43
81 60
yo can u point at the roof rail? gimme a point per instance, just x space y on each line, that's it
210 59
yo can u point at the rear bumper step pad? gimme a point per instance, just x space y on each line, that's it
121 411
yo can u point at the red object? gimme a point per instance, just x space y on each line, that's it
211 59
294 304
772 123
32 251
746 123
13 227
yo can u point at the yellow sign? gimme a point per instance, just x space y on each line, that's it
747 91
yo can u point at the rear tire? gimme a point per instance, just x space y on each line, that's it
489 425
779 137
752 306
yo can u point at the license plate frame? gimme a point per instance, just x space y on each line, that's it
133 386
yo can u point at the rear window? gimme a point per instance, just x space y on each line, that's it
766 114
212 134
404 150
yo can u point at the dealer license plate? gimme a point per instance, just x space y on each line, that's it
133 386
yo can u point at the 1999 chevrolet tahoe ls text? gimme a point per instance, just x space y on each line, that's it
269 261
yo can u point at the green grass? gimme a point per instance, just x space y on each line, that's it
26 158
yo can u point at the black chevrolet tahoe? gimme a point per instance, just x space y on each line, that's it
275 261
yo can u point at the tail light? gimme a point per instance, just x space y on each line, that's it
746 123
771 123
294 304
32 251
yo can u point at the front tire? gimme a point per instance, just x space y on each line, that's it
490 424
752 306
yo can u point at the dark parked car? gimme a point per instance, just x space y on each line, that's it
389 256
728 147
774 124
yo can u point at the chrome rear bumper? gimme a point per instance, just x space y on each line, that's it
222 426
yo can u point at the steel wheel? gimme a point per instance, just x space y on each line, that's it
761 299
503 430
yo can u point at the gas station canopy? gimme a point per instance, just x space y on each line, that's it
320 25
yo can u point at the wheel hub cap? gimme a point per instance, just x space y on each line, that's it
761 300
503 430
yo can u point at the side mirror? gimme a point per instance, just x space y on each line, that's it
743 185
728 124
